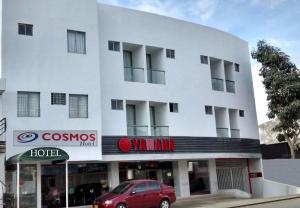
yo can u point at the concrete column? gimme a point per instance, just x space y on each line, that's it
113 174
257 184
213 180
38 185
181 178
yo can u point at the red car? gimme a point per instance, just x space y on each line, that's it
138 194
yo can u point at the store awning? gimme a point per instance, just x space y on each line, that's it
50 154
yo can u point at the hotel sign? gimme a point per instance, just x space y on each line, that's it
55 138
44 154
161 144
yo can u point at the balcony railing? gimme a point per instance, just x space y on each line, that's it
235 133
217 84
230 86
156 76
137 130
222 132
159 130
132 74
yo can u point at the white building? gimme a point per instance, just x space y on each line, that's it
125 94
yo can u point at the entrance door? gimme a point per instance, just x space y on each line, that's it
131 120
53 180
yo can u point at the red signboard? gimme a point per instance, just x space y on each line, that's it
162 144
255 175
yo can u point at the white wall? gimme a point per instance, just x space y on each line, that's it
274 189
188 82
41 63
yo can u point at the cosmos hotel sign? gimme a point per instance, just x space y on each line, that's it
55 138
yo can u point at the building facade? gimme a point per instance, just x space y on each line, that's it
96 95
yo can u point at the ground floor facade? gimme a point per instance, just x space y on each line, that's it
45 177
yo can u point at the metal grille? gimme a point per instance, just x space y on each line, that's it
58 99
28 104
232 176
78 106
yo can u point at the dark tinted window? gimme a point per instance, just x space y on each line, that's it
25 29
154 186
140 188
204 59
123 187
208 110
113 45
170 53
242 113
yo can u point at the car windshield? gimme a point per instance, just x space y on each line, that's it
123 187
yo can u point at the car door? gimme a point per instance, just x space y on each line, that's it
136 198
153 194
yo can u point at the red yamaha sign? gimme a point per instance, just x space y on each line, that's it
163 144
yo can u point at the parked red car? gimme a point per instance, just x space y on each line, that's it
138 194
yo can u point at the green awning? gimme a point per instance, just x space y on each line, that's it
40 154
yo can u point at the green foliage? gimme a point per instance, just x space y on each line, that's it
281 79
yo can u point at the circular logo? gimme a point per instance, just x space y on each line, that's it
125 144
27 137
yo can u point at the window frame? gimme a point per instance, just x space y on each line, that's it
170 53
208 110
87 105
203 59
153 182
28 104
114 45
117 104
236 67
27 31
76 48
173 107
241 113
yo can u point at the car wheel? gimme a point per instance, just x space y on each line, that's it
121 206
164 204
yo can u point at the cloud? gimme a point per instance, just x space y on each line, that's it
197 11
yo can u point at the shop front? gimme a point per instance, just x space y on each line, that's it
52 181
193 165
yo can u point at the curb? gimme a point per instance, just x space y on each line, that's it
265 202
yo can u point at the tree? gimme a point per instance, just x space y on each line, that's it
281 79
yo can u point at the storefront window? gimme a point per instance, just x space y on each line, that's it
10 197
199 177
161 171
27 185
86 183
28 189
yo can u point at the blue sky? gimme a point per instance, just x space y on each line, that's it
276 21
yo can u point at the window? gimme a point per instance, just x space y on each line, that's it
242 113
140 188
173 107
170 53
117 104
28 104
204 59
78 106
236 67
25 29
113 45
208 110
76 41
58 98
154 186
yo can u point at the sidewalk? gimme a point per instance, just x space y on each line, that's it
219 201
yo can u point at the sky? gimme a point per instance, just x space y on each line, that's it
276 21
